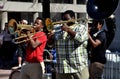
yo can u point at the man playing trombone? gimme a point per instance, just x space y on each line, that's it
72 59
33 68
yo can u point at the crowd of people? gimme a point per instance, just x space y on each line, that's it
75 45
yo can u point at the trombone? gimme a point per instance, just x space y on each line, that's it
50 25
21 39
25 40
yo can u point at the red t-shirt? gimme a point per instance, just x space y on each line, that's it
36 55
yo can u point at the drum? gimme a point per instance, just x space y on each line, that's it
14 74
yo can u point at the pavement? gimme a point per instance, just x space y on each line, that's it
4 73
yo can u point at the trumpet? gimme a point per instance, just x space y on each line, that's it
49 24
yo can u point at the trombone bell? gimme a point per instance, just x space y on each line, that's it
48 24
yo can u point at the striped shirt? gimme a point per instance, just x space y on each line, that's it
72 52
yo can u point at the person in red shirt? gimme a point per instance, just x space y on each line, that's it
33 68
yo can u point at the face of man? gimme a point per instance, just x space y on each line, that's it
38 25
67 17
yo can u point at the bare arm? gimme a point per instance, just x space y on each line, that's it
94 43
34 43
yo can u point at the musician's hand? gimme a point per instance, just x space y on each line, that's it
29 35
65 27
89 29
50 34
50 37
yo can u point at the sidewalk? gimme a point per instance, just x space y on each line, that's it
4 73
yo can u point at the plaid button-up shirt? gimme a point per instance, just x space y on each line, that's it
72 52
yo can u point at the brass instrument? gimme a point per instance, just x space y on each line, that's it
101 9
22 33
50 24
15 27
25 40
20 30
22 38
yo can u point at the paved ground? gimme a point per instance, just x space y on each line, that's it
4 73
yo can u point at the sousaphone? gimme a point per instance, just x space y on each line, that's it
104 9
101 9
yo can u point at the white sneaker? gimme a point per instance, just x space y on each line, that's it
15 67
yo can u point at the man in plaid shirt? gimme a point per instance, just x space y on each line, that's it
71 48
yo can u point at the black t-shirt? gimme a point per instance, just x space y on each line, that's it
98 53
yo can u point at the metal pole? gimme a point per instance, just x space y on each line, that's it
46 9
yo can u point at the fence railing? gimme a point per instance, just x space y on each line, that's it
112 67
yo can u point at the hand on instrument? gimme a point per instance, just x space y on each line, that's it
29 35
50 34
65 27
